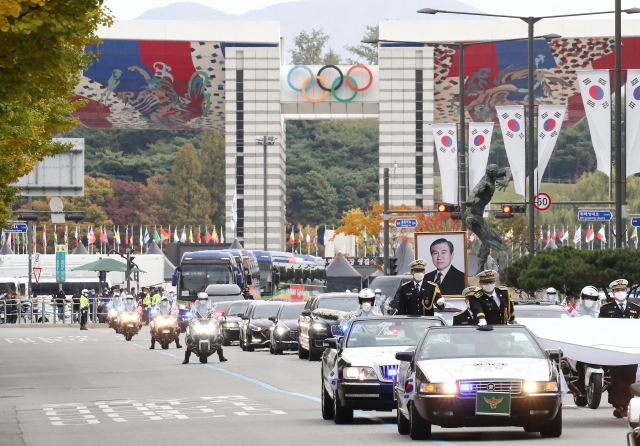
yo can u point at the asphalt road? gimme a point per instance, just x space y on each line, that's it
62 386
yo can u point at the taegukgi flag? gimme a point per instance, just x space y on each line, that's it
479 145
511 119
632 121
596 97
445 139
549 123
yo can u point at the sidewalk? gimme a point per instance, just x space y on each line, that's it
50 325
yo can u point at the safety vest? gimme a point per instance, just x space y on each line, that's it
155 300
84 302
147 300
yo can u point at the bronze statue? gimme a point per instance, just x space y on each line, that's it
479 198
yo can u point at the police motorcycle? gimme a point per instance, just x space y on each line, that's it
114 308
633 416
204 332
164 323
129 320
586 382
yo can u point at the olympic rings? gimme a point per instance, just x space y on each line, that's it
339 72
304 93
337 83
333 89
289 77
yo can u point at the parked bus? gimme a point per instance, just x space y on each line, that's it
249 270
286 277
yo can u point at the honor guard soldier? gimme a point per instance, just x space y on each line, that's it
492 305
466 317
622 376
418 296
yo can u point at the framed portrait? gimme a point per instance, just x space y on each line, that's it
446 257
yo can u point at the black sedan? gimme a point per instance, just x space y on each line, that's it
231 327
254 331
284 331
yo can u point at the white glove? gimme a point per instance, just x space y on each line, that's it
482 322
440 301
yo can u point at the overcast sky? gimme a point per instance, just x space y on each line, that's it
128 9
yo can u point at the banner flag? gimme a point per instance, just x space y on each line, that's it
446 143
633 122
596 97
512 126
549 123
479 145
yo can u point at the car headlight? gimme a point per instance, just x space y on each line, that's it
359 373
230 325
281 330
539 386
255 327
448 388
319 327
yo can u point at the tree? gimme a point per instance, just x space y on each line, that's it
150 202
121 207
315 199
331 58
212 160
96 191
187 200
42 43
366 51
308 48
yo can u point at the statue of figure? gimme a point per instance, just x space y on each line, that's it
479 198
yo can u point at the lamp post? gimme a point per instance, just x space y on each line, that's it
531 21
265 141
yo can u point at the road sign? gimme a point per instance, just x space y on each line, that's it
36 274
36 260
406 223
61 263
594 215
542 201
17 227
635 222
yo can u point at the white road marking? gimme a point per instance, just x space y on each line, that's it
50 340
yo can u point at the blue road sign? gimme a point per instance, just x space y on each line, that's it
17 227
594 215
635 222
406 223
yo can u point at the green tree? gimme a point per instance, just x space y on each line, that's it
308 48
150 202
187 200
42 43
367 52
315 199
212 160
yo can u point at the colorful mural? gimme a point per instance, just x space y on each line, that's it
156 85
497 74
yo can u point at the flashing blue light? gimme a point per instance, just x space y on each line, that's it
108 304
153 311
465 387
564 315
392 372
344 327
188 314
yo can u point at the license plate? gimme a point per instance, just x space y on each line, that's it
130 325
492 403
166 331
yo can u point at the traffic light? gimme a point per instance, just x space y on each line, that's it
507 209
503 214
518 209
74 217
393 266
448 208
28 217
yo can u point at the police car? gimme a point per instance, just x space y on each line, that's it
359 368
478 376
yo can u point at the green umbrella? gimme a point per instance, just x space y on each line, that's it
106 265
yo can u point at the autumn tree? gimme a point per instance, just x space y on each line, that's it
121 206
42 43
212 160
186 198
151 210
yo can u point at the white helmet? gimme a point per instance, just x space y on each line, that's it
378 291
85 291
590 298
551 294
366 294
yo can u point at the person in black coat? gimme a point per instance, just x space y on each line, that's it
75 299
418 297
492 305
466 317
60 299
622 376
449 279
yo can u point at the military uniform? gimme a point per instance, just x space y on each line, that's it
484 306
414 303
464 318
624 375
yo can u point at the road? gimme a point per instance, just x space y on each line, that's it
62 386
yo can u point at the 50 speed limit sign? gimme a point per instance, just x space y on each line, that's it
542 201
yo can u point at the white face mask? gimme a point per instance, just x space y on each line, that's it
588 304
620 296
366 307
489 287
418 277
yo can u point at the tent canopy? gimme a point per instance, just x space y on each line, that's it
405 256
106 265
341 276
236 245
80 249
154 249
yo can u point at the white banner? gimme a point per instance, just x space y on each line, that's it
479 145
596 97
512 125
633 121
446 142
549 123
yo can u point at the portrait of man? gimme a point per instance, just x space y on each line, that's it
447 254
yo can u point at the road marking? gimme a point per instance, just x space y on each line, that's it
51 340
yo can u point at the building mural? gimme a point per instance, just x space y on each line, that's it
497 74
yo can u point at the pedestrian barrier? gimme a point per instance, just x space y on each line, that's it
47 311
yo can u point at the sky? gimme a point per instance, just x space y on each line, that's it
128 9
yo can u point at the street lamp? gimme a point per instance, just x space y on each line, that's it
620 192
265 141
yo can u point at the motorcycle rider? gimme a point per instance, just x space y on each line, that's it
551 295
589 302
622 376
165 309
366 298
202 310
466 317
84 309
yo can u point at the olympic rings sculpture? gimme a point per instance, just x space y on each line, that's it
337 83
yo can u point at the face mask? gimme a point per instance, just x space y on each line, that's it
620 296
366 307
588 304
418 276
489 287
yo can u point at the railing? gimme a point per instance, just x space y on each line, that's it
48 311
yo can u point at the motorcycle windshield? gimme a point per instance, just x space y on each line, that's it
202 311
130 305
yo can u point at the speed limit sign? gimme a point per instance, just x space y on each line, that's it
542 201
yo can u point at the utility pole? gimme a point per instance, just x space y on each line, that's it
621 180
386 218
